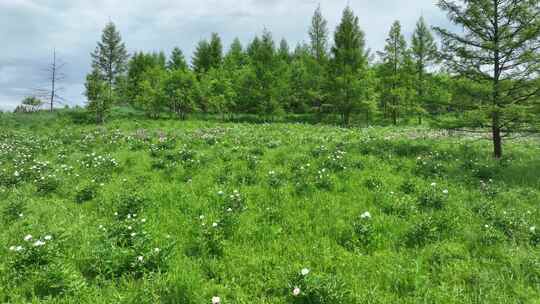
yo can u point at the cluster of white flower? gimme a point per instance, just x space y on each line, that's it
32 242
98 161
365 215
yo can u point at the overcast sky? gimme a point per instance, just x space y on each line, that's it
30 29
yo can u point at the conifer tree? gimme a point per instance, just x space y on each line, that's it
110 56
284 52
352 82
208 55
499 49
202 61
395 74
318 34
216 51
424 54
97 94
235 57
177 60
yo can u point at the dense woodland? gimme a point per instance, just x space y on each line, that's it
484 78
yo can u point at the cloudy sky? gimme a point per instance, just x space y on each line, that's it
31 29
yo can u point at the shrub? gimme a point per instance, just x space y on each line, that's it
306 287
13 210
433 197
86 193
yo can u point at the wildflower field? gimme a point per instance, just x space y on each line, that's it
164 211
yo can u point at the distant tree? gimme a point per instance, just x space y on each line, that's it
301 51
351 85
216 51
202 60
499 50
284 52
152 91
55 75
245 83
301 84
177 60
29 104
181 91
396 75
318 34
110 56
219 92
253 47
138 66
424 54
265 65
97 94
235 57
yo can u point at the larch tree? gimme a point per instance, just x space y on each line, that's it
424 54
235 56
216 51
284 52
97 94
177 61
202 61
352 84
208 55
499 49
395 74
110 56
318 35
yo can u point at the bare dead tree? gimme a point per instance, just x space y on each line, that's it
54 76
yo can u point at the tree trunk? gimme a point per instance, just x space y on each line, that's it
496 134
496 125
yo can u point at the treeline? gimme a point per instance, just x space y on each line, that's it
485 77
269 78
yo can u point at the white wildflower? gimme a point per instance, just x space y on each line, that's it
296 291
39 243
365 215
216 300
28 237
304 272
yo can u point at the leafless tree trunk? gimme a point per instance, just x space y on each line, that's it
54 75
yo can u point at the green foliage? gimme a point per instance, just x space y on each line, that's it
318 35
352 81
208 55
109 59
181 91
237 210
98 95
218 91
395 72
177 60
152 91
498 51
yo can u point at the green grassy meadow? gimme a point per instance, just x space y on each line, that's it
167 211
